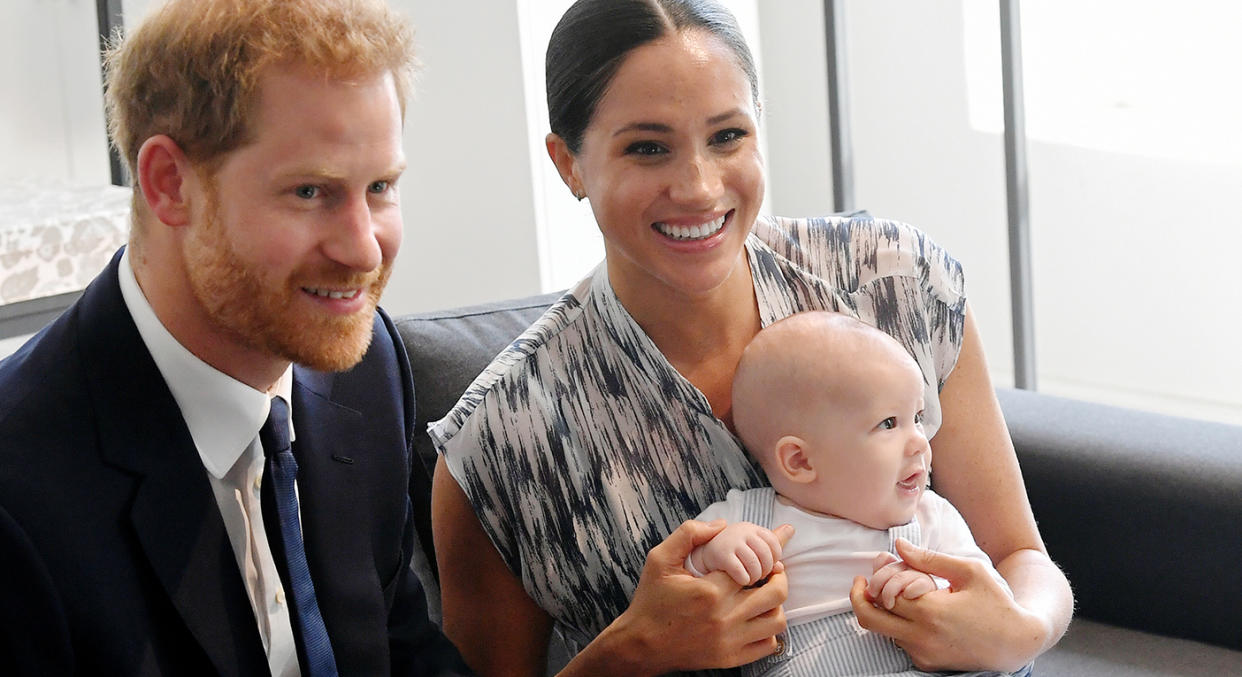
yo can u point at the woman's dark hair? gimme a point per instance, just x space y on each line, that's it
594 37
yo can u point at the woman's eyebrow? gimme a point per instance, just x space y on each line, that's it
717 119
659 127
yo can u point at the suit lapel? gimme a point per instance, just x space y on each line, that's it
335 518
326 433
174 515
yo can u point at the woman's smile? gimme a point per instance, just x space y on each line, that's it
701 231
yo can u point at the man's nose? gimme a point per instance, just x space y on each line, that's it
353 241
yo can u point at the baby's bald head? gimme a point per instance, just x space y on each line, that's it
796 366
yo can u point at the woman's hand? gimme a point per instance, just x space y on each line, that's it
974 624
678 622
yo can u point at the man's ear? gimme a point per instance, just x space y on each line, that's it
163 175
566 163
792 460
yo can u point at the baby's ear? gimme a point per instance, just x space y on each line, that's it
792 460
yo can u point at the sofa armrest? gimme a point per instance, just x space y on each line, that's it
1140 511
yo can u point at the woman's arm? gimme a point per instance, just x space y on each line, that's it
977 471
674 622
496 626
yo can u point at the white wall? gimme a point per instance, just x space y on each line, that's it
569 242
795 103
467 196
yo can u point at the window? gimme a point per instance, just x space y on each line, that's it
1132 113
60 217
1135 162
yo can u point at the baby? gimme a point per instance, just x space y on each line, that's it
833 411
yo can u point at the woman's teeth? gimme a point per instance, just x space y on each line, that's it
703 230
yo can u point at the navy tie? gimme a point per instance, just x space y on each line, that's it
284 534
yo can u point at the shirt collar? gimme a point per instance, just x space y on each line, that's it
223 414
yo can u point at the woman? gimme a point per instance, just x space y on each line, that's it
573 459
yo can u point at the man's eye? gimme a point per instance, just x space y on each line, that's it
644 148
307 192
888 423
378 187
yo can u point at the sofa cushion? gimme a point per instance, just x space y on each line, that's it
1093 649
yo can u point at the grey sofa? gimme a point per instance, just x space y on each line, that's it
1138 509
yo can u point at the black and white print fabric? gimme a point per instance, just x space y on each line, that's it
581 448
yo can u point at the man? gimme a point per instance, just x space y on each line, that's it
152 518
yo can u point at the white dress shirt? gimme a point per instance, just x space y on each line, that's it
224 416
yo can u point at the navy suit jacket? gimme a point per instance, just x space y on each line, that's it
114 559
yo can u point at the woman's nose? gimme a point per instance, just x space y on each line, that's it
698 183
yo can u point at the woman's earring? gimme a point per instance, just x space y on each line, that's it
580 194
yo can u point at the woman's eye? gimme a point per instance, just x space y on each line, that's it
727 136
644 148
307 192
378 187
888 423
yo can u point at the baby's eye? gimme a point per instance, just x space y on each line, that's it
644 148
918 418
888 423
307 192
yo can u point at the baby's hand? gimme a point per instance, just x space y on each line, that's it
892 577
746 552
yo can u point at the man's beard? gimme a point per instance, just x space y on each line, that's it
264 313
